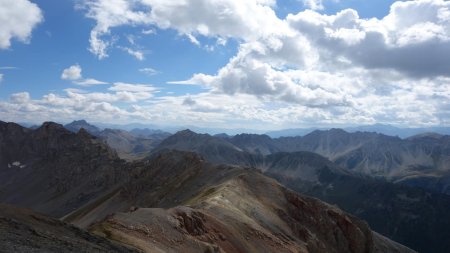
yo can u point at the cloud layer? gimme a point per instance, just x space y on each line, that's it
305 69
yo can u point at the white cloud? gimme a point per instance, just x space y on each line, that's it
109 14
20 98
149 71
308 69
193 40
414 38
7 68
139 55
72 73
225 19
132 87
17 20
148 31
314 4
88 82
1 77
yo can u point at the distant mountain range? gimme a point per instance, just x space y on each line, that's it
130 145
422 160
174 202
376 128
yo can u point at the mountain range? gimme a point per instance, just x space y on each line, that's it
202 193
175 201
376 128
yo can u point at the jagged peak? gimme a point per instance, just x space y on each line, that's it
51 125
51 128
8 126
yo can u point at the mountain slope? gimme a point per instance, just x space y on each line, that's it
25 231
423 162
400 212
255 144
199 207
53 170
127 145
413 213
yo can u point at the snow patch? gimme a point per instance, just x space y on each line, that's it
17 164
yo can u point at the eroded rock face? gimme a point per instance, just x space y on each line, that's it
193 222
326 228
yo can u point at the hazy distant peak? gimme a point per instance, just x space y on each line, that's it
81 121
186 132
76 125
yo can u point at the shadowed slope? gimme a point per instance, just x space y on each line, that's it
53 170
25 231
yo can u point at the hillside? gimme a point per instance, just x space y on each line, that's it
199 207
25 231
52 170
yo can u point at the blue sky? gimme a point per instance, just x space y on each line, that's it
259 64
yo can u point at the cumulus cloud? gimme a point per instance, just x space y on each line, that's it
414 38
20 98
116 104
226 19
336 62
73 73
17 20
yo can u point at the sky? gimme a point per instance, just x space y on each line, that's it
254 64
